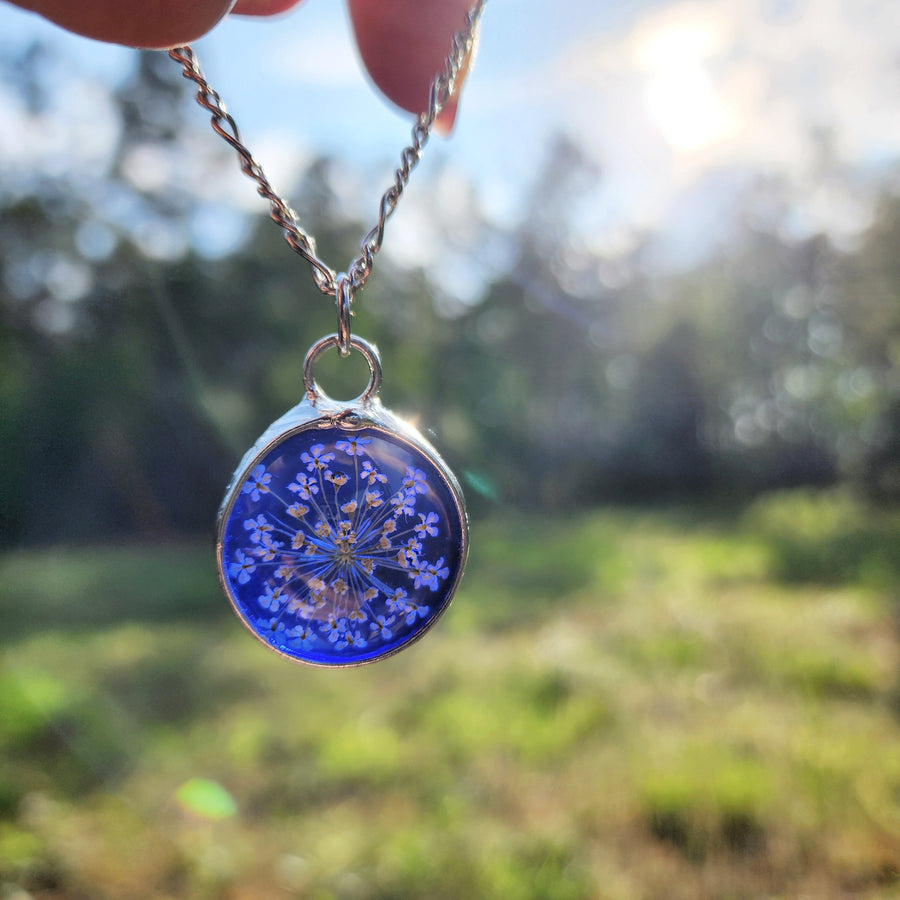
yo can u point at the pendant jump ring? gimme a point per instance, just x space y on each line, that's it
343 297
369 351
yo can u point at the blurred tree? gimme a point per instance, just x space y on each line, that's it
660 451
137 371
95 410
868 298
137 364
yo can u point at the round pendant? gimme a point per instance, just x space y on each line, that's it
343 535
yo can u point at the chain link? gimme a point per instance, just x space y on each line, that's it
442 90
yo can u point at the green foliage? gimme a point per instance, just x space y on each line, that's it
26 701
649 708
206 799
87 587
828 538
521 561
539 719
707 796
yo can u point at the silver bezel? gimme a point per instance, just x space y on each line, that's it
320 411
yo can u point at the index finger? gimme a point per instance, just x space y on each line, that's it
152 24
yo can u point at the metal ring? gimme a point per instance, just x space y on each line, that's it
369 351
343 297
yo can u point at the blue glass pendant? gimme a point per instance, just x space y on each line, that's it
343 535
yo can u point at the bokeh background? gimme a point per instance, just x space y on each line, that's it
647 297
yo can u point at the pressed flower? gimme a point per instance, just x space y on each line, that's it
350 566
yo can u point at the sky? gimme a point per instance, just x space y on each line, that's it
680 103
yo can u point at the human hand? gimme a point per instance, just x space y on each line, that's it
403 43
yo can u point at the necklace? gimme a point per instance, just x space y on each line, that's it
343 535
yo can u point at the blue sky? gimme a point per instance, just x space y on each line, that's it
680 102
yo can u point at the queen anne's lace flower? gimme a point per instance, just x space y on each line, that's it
348 553
257 483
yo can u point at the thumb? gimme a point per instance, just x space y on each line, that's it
404 44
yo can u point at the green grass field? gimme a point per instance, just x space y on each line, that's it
666 704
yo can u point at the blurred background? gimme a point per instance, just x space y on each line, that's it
647 299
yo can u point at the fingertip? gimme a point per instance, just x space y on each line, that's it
263 7
443 124
404 44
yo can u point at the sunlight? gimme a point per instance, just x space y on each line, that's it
682 101
673 52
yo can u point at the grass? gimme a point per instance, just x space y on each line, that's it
631 704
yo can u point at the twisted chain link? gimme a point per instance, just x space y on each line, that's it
443 88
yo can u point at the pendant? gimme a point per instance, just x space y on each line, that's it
343 535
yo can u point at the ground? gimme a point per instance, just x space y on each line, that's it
669 703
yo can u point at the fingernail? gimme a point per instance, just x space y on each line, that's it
443 124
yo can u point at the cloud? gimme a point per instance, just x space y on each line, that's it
823 63
79 130
792 88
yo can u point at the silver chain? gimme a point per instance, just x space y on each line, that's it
341 287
